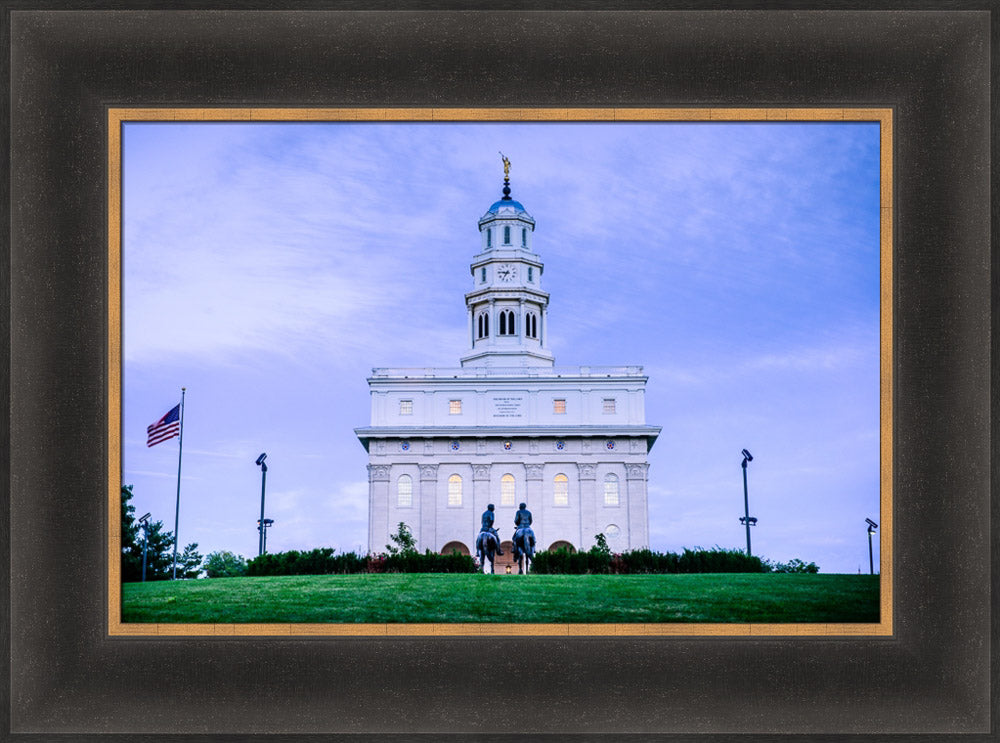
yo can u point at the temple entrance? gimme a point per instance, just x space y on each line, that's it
455 547
500 562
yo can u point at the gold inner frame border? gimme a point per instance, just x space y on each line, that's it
117 116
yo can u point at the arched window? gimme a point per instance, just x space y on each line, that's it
507 322
611 490
455 490
484 325
531 325
560 490
404 491
524 236
489 238
507 495
506 235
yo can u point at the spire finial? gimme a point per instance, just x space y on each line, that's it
506 177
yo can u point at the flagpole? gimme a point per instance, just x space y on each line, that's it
177 511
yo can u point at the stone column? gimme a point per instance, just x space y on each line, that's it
587 474
494 328
427 498
480 498
637 505
378 507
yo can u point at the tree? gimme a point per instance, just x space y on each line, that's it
189 562
159 552
404 540
601 548
131 558
225 564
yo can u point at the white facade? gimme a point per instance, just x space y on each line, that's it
508 426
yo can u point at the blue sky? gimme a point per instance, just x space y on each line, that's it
268 267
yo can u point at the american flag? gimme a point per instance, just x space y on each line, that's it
166 428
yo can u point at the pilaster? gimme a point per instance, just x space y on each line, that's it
638 524
427 540
587 475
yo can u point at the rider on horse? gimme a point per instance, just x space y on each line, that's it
488 526
522 520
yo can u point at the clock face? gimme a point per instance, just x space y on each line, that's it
506 272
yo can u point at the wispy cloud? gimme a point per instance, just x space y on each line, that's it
269 267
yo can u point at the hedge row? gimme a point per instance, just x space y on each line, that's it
325 561
642 561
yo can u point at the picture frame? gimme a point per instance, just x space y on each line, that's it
67 675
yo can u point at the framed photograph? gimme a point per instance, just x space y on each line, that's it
328 238
919 80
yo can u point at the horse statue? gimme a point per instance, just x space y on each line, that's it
486 547
524 548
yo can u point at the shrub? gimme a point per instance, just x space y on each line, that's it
324 561
599 559
792 566
224 564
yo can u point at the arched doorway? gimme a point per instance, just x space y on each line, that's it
561 545
500 562
455 547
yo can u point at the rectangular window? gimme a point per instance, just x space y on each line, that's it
506 235
524 242
454 407
489 238
406 407
529 273
609 405
559 407
483 274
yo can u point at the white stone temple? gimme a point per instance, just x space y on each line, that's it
508 426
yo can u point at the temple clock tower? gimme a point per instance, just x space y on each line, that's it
507 307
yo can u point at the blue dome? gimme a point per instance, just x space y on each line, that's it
516 204
503 209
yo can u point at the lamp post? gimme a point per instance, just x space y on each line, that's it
263 482
144 523
872 526
267 523
747 519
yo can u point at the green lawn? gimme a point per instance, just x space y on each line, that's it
416 598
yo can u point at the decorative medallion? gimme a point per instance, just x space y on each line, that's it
506 445
610 445
404 445
454 446
560 445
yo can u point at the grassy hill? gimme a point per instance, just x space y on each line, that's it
421 597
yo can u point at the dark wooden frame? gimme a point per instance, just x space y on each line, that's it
931 679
